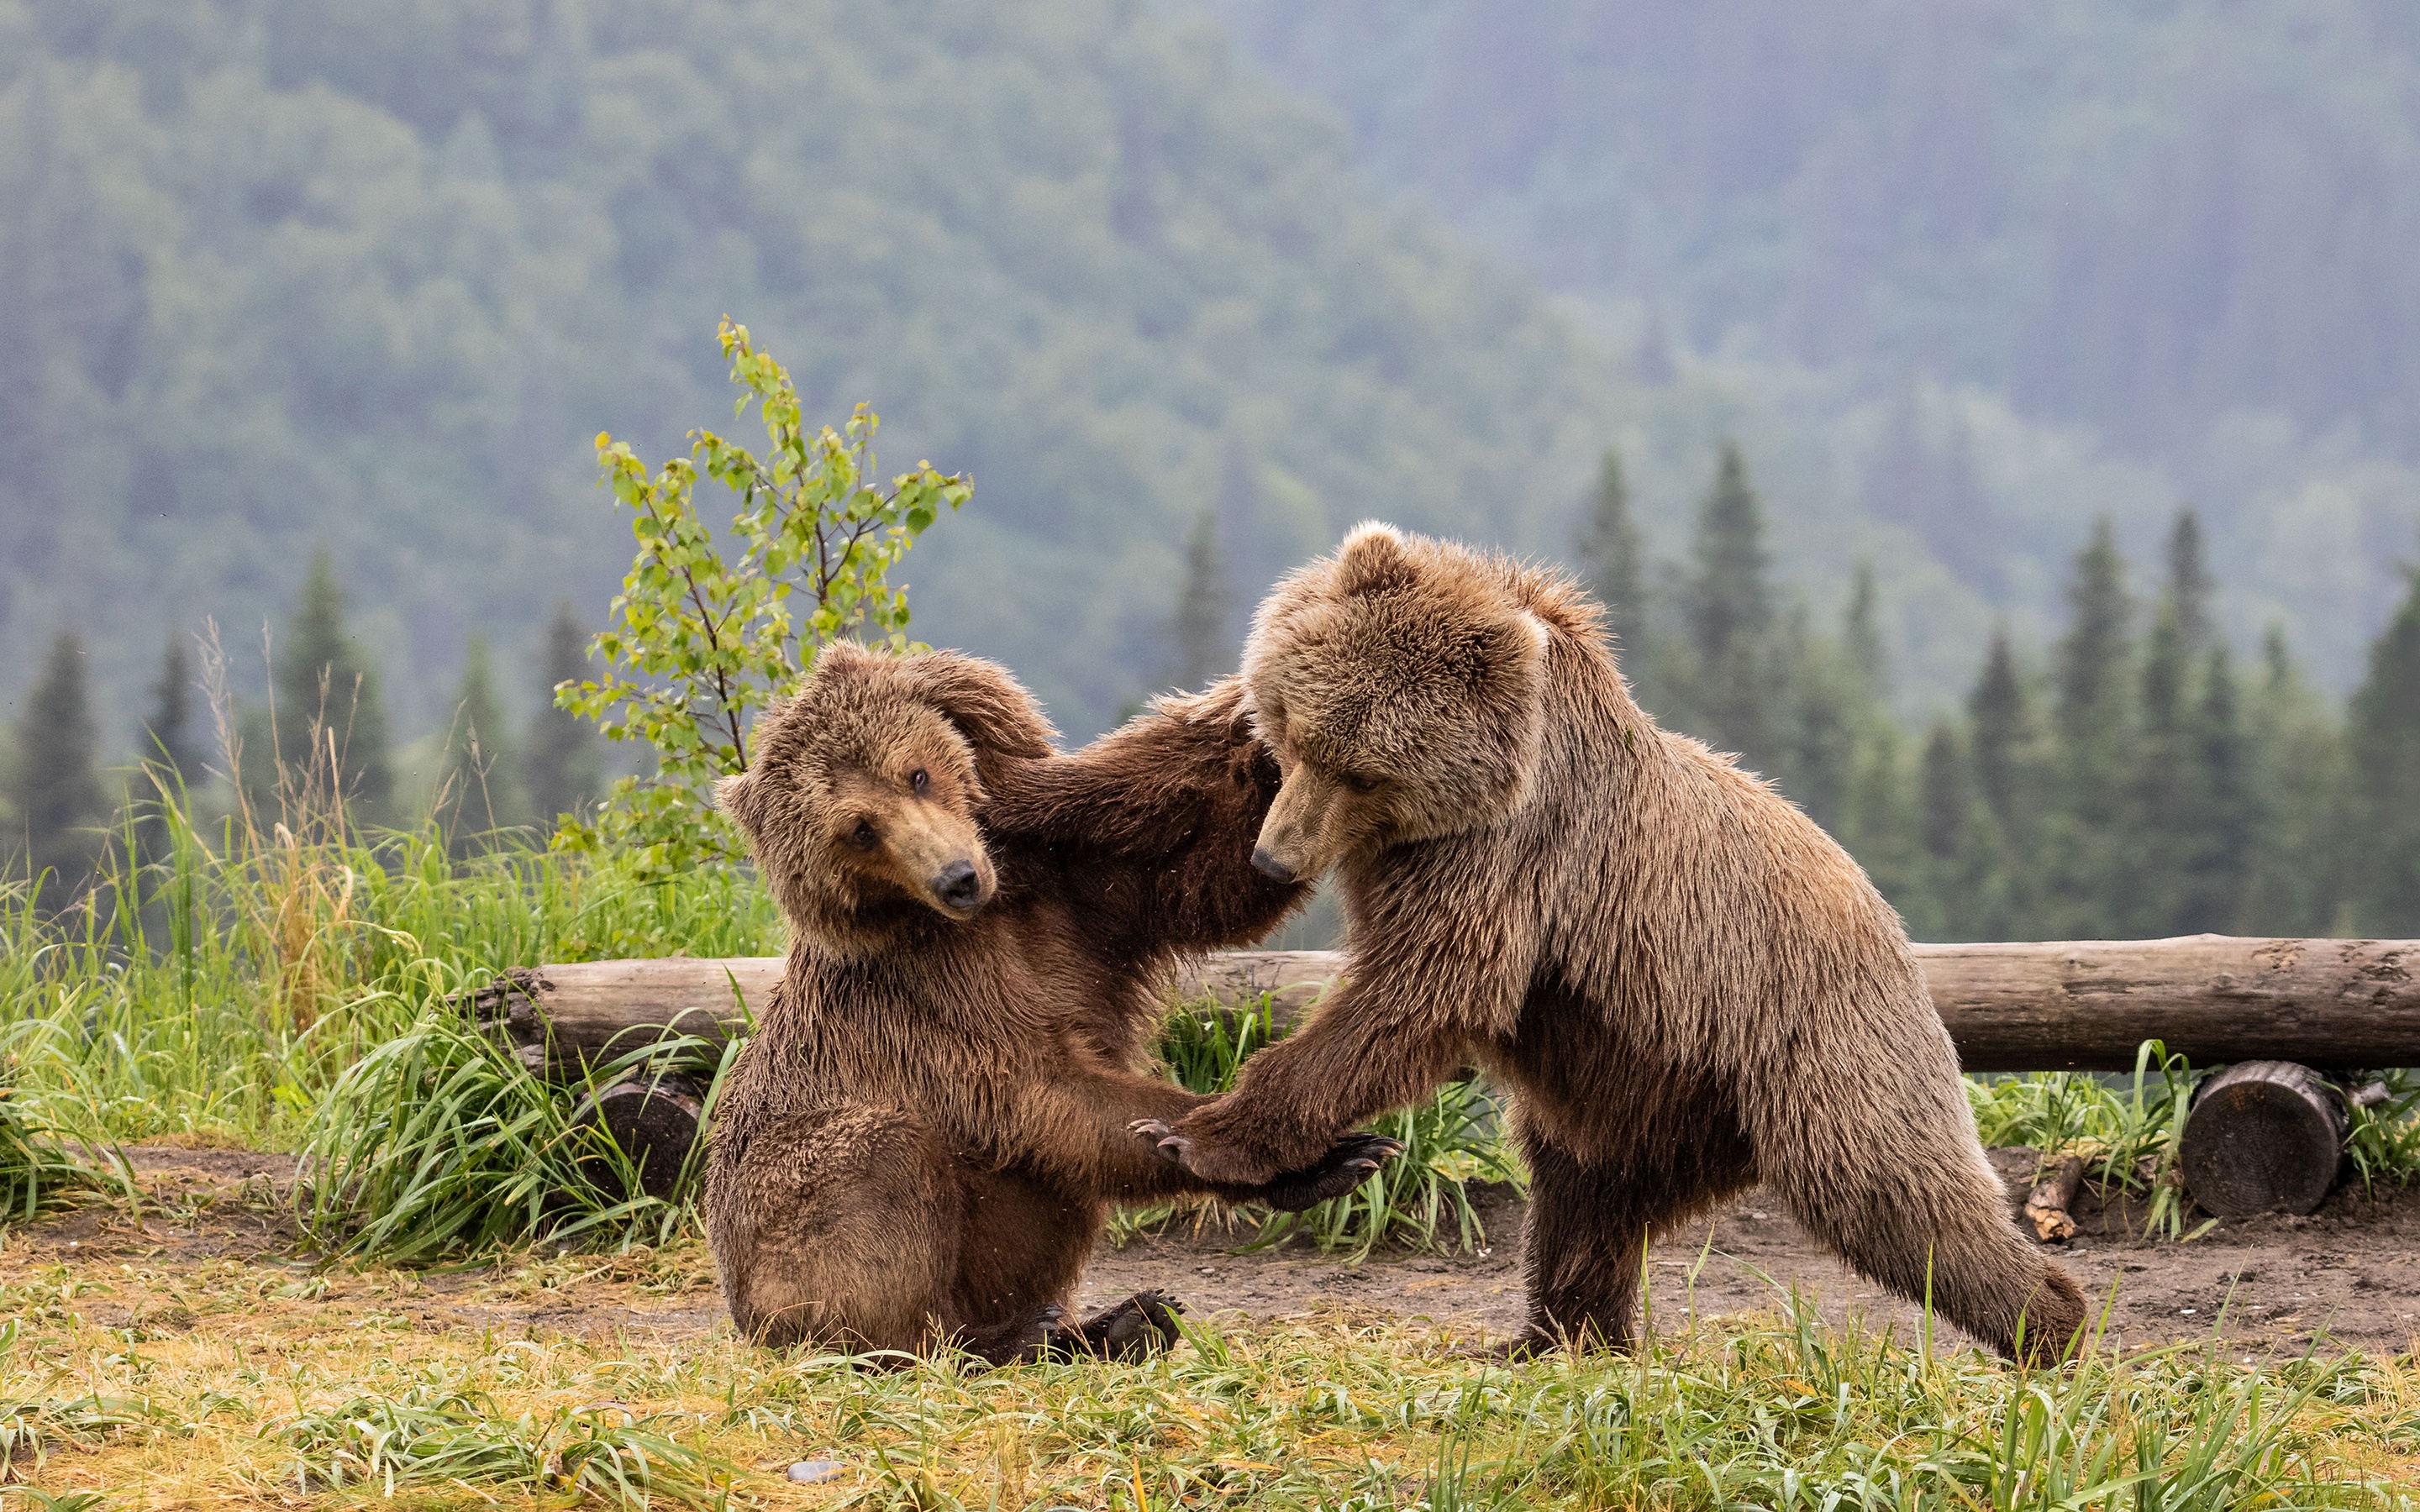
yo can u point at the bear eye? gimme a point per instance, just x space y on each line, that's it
918 782
1359 783
863 836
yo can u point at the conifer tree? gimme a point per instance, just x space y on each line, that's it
58 792
1886 834
1862 635
478 790
1731 618
1613 566
1199 630
328 694
1829 712
1999 712
2294 883
2382 737
2094 654
1945 797
1948 813
2168 802
2189 587
562 766
2209 891
169 741
2089 848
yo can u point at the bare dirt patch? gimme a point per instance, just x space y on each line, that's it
2350 1274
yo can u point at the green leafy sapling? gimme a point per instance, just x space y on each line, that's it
699 645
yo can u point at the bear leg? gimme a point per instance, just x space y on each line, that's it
842 1231
1585 1240
1909 1200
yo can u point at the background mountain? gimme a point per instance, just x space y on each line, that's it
277 273
2021 263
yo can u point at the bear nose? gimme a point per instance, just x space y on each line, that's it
958 887
1269 866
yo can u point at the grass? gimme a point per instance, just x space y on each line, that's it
208 1385
223 977
2127 1129
1420 1199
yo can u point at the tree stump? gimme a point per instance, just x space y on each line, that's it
2263 1137
654 1122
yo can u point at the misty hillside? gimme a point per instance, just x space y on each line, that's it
277 272
2171 241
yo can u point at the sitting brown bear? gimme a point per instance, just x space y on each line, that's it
922 1143
1686 984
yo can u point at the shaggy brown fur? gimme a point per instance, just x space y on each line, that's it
1687 985
921 1142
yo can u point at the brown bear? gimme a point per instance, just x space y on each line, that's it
921 1144
1686 984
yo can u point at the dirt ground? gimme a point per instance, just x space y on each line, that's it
2349 1274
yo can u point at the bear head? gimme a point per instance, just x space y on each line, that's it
861 800
1401 684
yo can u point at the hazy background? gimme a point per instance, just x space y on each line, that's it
1959 277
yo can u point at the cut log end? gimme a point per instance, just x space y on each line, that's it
2263 1137
655 1124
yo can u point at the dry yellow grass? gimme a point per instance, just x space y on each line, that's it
179 1359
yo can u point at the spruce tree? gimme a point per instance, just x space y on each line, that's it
1199 630
1828 708
1861 632
1731 618
2217 855
1949 818
478 790
2189 586
58 797
2168 800
1945 797
2294 884
1887 834
2090 849
1997 710
2382 737
1613 566
562 766
169 743
328 697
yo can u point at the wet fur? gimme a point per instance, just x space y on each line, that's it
1688 987
922 1143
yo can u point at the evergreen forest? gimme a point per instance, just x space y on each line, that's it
2073 610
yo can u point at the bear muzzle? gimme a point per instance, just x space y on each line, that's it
960 889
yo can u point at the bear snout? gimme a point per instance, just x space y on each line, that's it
958 886
1269 866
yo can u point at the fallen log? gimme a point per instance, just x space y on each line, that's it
2048 1208
2068 1006
2263 1137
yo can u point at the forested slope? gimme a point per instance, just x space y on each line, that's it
276 272
2173 235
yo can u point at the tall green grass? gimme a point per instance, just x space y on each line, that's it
1420 1199
222 977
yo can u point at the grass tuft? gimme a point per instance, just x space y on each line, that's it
1453 1139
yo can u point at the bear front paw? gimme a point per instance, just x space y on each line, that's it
1219 1164
1349 1163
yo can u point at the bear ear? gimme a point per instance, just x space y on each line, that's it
996 716
1372 559
740 797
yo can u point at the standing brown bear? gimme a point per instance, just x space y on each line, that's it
1688 987
921 1144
